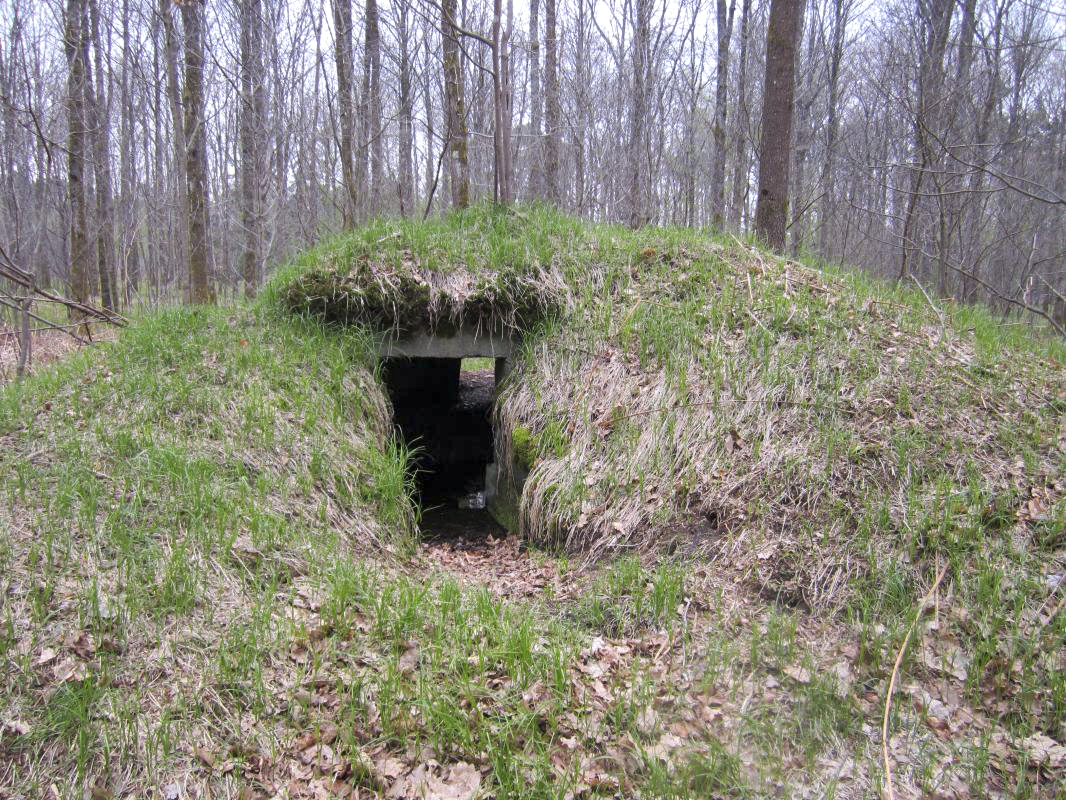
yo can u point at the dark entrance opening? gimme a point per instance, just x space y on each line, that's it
443 412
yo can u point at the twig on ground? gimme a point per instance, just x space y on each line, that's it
895 673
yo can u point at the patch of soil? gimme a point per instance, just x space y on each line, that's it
472 548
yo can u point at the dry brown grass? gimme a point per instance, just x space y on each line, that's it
48 347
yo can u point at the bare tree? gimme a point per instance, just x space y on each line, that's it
929 138
552 109
740 160
536 99
771 213
342 53
196 152
725 31
455 109
371 116
99 123
251 134
638 215
406 109
73 42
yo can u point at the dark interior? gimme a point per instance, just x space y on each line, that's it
444 415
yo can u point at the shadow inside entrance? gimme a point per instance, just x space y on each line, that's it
443 413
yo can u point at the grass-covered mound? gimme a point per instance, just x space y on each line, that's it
478 269
210 588
826 442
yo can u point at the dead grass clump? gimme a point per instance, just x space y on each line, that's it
489 269
782 402
408 298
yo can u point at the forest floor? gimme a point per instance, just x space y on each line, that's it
214 583
47 348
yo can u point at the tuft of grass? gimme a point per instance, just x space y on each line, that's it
627 598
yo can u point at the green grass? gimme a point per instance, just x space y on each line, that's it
833 439
180 477
210 563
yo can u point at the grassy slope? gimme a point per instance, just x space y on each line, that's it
190 599
162 496
831 442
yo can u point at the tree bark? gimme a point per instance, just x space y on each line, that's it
73 37
100 125
129 254
455 109
935 19
841 9
372 118
196 153
740 164
170 56
406 114
342 54
639 113
771 213
251 132
581 66
552 109
536 101
725 33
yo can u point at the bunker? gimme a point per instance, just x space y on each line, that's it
443 413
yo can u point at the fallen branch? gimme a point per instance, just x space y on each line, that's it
895 673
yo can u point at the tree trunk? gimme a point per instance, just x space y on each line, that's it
832 125
553 112
251 133
639 113
196 152
129 261
342 53
73 38
406 113
97 121
936 22
536 101
455 109
581 67
740 164
372 120
725 33
771 213
170 53
802 137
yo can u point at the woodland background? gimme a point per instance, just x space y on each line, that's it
153 151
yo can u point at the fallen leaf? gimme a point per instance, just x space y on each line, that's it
71 669
329 733
15 726
798 674
409 659
81 643
1045 751
460 781
388 769
662 749
206 757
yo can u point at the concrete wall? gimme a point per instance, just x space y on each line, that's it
464 343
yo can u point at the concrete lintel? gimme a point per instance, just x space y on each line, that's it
463 344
